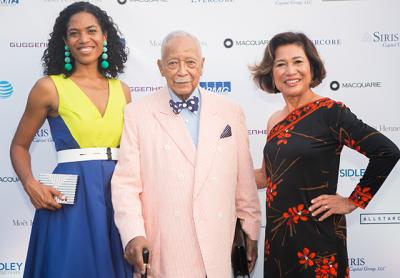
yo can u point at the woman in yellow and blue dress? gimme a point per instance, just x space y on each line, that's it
84 104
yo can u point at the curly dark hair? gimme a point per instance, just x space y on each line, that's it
53 56
262 73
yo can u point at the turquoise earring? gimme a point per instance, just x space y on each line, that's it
104 64
67 59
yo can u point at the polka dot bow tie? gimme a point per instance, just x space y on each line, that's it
192 104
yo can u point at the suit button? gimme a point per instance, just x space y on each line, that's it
167 147
180 176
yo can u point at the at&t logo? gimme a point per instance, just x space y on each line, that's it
9 2
6 89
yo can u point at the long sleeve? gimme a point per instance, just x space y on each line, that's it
383 154
126 184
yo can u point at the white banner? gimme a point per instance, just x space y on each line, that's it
359 42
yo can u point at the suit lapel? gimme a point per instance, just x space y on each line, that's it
210 130
175 127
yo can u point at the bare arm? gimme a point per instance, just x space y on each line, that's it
42 101
260 173
261 177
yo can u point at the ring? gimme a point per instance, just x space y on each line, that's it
326 207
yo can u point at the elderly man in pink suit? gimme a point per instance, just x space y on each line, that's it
184 174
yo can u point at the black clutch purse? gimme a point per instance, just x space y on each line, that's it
239 257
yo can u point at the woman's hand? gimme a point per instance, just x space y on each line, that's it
42 196
330 204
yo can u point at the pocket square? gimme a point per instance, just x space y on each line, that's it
227 132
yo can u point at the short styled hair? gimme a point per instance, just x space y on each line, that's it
262 72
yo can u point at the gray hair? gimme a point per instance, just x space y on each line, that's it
176 34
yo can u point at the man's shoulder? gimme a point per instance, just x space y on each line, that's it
150 101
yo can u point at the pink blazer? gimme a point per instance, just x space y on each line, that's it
184 200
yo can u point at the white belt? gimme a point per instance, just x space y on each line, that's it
87 154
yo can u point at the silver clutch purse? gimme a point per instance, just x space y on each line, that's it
64 183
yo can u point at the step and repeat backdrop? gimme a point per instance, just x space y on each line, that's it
359 42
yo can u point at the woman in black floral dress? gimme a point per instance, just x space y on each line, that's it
306 230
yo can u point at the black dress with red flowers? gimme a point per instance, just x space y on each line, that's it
302 156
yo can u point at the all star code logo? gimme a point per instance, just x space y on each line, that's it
380 218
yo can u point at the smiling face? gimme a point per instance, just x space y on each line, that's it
84 38
291 70
181 65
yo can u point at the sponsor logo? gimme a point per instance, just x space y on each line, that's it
9 179
387 128
43 135
11 268
382 39
229 43
356 261
9 2
157 43
28 44
66 1
327 41
122 2
353 174
145 89
293 2
22 222
336 85
212 1
6 89
380 218
256 132
220 87
360 264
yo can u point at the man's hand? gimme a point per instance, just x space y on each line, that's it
133 253
252 253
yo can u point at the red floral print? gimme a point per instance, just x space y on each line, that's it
326 268
361 196
306 257
281 130
271 191
267 248
294 214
